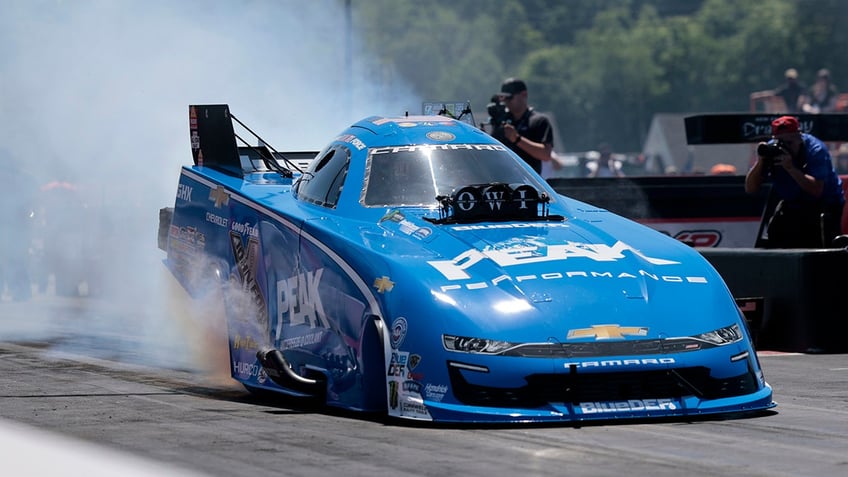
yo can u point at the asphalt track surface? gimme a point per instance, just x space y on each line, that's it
82 394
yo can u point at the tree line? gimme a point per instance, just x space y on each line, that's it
603 68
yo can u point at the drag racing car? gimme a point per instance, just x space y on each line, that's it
417 267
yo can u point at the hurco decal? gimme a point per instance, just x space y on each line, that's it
631 405
246 369
299 302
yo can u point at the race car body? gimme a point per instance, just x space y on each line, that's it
416 266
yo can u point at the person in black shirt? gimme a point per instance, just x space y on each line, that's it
791 91
527 132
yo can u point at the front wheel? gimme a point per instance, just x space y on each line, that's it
374 365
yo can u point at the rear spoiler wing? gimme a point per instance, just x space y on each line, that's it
744 128
215 144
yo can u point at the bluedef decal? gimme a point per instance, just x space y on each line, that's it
631 405
397 366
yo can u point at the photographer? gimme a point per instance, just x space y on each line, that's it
799 165
518 126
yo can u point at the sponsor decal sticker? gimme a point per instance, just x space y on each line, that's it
631 405
299 301
532 251
184 192
246 342
441 136
609 363
247 264
383 284
605 332
435 392
399 327
397 366
220 196
414 359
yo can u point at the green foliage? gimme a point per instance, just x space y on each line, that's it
605 67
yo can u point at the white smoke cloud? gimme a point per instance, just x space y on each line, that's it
96 92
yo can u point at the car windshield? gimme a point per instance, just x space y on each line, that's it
415 175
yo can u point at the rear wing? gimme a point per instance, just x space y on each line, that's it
742 128
215 144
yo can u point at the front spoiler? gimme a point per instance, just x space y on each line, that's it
684 407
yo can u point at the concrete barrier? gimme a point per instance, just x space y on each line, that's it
803 295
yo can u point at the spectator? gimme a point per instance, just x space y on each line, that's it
822 96
790 91
799 166
604 164
528 133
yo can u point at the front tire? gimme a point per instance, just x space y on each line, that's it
374 365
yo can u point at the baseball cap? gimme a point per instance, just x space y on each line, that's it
791 73
512 86
785 124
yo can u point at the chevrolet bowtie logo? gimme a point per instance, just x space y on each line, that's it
606 332
383 284
220 196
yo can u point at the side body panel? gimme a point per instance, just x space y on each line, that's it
283 289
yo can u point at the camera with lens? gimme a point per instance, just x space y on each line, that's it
772 149
498 112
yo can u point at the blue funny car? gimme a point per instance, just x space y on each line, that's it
416 266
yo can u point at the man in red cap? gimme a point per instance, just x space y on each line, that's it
801 170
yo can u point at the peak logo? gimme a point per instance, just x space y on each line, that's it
535 252
299 301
